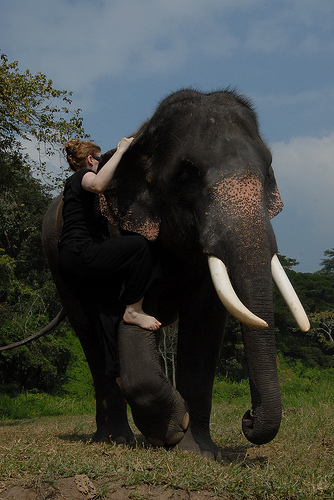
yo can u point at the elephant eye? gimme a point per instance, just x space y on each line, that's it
189 173
184 176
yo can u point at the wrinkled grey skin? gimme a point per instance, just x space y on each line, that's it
201 184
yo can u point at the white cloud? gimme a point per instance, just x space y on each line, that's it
304 169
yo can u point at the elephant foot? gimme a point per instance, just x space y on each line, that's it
114 434
200 444
111 416
158 409
163 423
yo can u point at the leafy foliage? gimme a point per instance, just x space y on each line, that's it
31 108
22 202
328 263
323 330
316 292
28 107
232 361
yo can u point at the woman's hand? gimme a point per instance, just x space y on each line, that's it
97 183
124 144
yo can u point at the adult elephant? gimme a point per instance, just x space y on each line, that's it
197 182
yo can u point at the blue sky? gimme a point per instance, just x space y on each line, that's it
120 58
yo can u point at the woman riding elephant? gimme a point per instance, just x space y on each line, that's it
94 264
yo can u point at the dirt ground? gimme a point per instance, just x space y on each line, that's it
81 487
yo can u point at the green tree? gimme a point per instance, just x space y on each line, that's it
30 107
40 365
316 292
328 263
323 329
23 200
26 290
322 319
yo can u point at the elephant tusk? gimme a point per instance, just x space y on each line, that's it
228 297
288 293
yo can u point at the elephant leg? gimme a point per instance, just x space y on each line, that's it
201 326
111 414
158 409
111 409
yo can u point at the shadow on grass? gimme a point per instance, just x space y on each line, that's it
139 440
230 454
240 454
76 437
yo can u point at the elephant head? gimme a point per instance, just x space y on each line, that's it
198 181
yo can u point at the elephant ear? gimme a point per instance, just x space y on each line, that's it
273 199
130 203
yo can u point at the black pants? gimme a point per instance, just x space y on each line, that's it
98 273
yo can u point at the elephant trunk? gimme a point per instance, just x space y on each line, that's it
251 278
262 424
250 300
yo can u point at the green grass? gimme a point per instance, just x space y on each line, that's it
296 465
31 405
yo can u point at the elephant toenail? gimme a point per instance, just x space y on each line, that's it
175 439
185 422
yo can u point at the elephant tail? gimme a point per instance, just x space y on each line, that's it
56 321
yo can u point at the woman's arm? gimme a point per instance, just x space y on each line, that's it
97 183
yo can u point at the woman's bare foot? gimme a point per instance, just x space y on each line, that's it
136 316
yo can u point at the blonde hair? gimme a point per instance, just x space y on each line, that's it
76 152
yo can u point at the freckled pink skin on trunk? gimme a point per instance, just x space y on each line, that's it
243 196
240 200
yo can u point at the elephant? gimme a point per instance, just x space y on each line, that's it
198 184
